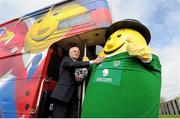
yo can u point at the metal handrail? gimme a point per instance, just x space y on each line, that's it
39 97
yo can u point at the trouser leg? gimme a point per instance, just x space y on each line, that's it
73 108
60 109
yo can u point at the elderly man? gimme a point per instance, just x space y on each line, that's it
65 93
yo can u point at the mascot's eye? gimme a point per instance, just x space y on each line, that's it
119 35
39 21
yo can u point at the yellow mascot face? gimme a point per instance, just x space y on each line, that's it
46 30
117 42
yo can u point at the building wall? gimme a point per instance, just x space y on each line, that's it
171 107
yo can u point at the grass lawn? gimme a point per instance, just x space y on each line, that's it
169 116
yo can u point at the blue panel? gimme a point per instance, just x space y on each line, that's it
34 66
7 99
95 4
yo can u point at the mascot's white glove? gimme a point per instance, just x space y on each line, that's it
143 52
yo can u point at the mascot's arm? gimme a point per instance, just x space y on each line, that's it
143 52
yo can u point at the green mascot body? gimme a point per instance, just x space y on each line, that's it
118 91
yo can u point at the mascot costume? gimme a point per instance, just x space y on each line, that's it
128 82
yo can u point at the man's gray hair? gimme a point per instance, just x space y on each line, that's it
70 50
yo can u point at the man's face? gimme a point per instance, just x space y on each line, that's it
74 53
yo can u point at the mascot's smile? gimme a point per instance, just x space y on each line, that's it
112 51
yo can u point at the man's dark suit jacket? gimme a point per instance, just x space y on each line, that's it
67 86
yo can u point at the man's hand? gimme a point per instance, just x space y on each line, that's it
136 49
78 79
98 60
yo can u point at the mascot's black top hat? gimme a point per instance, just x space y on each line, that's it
132 24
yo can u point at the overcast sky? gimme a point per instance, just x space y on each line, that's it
162 17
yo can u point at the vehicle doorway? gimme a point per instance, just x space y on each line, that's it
86 42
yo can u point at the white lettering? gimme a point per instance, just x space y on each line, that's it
108 80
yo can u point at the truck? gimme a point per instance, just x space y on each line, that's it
32 47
